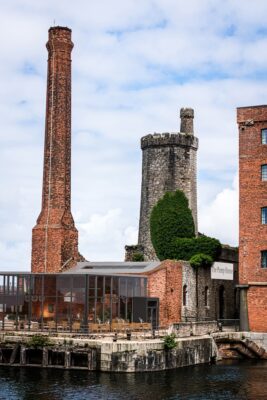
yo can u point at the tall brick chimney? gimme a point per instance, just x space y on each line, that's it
55 238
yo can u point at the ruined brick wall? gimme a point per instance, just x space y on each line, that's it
165 282
169 163
252 197
55 238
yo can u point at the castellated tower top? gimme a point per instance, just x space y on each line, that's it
187 120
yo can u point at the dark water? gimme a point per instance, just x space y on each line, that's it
246 381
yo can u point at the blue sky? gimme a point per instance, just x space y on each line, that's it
135 64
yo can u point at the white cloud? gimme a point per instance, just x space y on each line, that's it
135 63
104 236
219 218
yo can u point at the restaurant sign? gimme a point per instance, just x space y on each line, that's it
221 270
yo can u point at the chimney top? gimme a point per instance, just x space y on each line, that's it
187 120
59 38
56 28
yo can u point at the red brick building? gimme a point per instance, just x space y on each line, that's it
252 122
55 238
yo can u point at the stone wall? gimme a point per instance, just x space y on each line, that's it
106 355
168 281
198 281
151 356
241 344
131 251
169 163
184 329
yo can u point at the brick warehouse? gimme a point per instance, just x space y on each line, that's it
252 123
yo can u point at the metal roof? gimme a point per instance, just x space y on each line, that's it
112 268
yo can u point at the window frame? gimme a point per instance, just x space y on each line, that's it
263 172
264 259
264 215
263 137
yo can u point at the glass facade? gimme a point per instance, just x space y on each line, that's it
66 301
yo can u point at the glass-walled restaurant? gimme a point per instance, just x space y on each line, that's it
80 302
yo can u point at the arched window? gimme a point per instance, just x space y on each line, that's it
206 296
184 295
221 302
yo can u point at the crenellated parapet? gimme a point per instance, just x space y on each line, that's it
169 139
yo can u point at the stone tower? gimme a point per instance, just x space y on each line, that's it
55 238
169 163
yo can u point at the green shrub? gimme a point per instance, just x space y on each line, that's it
38 341
173 232
200 260
169 342
170 218
185 248
138 256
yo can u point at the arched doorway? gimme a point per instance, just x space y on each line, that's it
221 302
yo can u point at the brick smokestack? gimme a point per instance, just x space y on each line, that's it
55 238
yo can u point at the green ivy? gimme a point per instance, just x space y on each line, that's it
200 260
170 218
138 256
187 248
172 230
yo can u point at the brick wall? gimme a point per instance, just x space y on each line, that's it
253 193
257 308
253 196
165 282
55 238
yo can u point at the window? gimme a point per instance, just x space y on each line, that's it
264 172
206 296
264 136
264 215
184 295
264 259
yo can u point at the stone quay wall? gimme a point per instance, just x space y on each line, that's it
105 354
